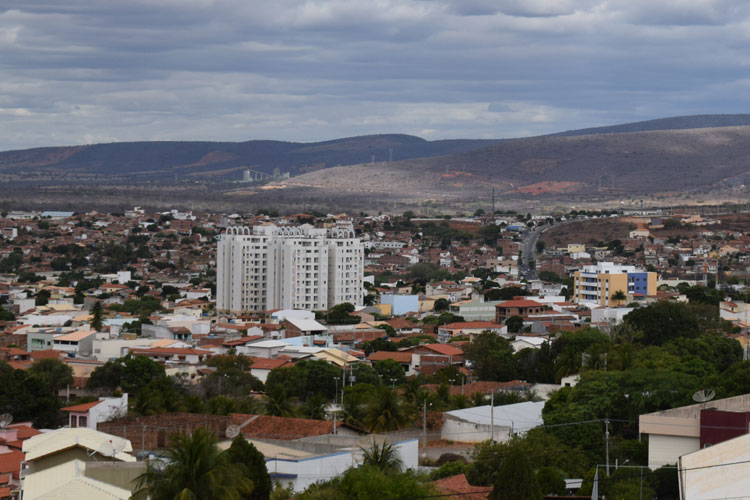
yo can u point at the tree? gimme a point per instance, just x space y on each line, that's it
440 305
130 373
506 293
540 246
53 372
195 469
383 456
28 397
278 403
550 481
516 479
491 357
390 371
383 411
96 316
514 324
664 321
369 483
245 455
619 297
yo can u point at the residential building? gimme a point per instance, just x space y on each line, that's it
599 283
679 431
474 310
474 425
91 414
517 307
284 267
78 463
401 304
718 471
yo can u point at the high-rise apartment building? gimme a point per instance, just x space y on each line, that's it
288 267
601 282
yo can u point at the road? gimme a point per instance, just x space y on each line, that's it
528 248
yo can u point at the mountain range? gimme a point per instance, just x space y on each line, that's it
689 155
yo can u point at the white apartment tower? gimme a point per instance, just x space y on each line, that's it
283 267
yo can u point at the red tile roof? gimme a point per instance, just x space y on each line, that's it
461 487
398 356
169 351
470 325
83 407
519 303
444 349
10 463
243 340
268 364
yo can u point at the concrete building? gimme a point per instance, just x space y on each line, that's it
401 304
270 267
474 310
719 471
679 431
599 283
474 425
78 463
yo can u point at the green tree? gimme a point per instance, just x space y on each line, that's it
516 479
619 297
195 469
96 316
53 372
491 357
130 373
506 293
514 324
550 481
383 456
245 455
383 411
28 397
390 371
369 483
441 305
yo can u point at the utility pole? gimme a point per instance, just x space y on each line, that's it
492 416
606 439
424 425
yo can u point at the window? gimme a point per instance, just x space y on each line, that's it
82 421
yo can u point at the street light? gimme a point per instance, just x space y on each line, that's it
393 384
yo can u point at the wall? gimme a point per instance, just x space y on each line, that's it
665 450
468 432
402 304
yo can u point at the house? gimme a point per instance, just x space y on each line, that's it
516 307
78 463
679 431
78 343
174 355
91 414
468 328
261 367
294 327
11 456
527 342
401 357
474 425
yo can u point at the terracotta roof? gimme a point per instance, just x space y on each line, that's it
83 407
468 325
243 340
461 487
10 463
24 431
268 427
445 349
268 364
519 303
398 356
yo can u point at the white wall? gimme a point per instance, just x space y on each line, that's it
707 473
664 450
467 432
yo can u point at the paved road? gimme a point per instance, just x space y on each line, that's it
529 250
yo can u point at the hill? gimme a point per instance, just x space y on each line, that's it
673 123
167 160
616 164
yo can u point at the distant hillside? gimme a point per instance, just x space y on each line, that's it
613 164
168 160
674 123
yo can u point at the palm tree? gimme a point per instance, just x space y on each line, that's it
279 404
460 401
383 411
195 469
619 297
382 456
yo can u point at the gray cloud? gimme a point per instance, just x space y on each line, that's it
86 71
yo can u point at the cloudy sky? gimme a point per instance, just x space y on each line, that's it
86 71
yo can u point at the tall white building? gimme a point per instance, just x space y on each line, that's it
283 267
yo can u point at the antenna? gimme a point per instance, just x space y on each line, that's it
233 431
373 159
704 396
5 420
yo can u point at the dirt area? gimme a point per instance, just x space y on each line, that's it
587 231
546 187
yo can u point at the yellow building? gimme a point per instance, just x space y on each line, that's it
602 282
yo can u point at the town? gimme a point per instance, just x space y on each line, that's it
494 354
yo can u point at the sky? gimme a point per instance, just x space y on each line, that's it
91 71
